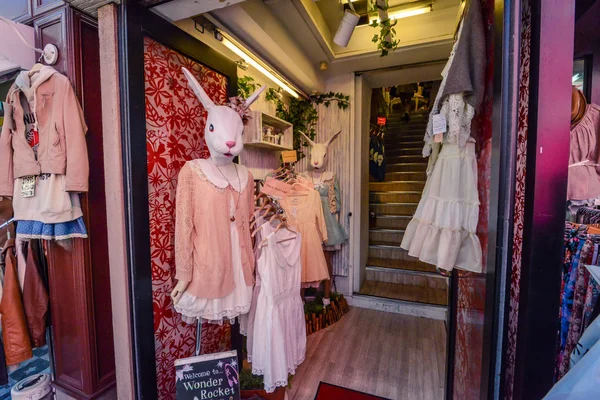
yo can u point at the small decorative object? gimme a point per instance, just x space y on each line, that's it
268 134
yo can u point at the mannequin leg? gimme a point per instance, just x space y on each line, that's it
327 284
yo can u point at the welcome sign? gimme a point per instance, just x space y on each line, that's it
208 377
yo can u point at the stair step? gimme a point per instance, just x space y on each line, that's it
394 252
403 151
392 221
404 138
404 277
406 176
406 167
392 144
419 294
412 265
396 186
394 208
395 197
407 159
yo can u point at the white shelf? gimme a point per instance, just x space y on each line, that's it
253 132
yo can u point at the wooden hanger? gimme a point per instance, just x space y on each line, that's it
578 106
35 69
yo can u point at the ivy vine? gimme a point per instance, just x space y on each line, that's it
303 114
246 86
385 39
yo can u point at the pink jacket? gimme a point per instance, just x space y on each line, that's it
202 233
61 127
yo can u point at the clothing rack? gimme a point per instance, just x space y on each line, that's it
5 224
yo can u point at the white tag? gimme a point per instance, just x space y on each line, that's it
439 124
28 186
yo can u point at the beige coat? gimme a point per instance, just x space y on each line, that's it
61 126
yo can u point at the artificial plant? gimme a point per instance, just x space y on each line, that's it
303 114
246 86
385 39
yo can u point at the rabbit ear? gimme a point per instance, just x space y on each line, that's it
254 96
307 138
331 139
200 93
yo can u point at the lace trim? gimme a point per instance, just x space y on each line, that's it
227 314
29 236
291 371
447 200
219 183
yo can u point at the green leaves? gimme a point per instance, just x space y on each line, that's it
385 39
246 86
303 114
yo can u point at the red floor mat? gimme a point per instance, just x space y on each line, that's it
328 391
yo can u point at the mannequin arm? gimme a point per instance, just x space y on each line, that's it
178 291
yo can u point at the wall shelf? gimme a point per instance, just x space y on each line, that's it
254 132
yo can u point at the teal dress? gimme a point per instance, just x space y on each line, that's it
329 191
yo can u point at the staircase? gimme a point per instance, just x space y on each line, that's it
391 272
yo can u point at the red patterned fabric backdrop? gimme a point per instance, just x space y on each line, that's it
523 129
471 287
174 134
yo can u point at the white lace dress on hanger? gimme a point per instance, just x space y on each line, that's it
279 334
443 230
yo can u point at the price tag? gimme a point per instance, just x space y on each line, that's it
439 124
28 186
276 188
289 156
381 121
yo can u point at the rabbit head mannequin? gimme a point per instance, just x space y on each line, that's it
318 153
223 136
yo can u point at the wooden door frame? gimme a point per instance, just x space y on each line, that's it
135 23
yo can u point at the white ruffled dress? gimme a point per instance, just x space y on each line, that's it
443 230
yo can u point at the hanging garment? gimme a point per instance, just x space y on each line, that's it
590 337
442 231
305 215
329 190
279 344
3 365
212 252
59 126
35 299
588 215
15 335
377 163
584 157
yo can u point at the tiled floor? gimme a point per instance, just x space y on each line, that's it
40 363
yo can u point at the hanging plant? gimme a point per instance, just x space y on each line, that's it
385 39
246 86
303 114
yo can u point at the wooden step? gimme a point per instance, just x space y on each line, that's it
403 151
394 252
406 176
392 144
395 197
406 159
386 237
396 291
394 208
396 186
412 265
392 221
406 167
404 277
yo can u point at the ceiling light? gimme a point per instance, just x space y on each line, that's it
404 13
250 60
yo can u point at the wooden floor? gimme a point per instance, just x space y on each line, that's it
390 355
420 294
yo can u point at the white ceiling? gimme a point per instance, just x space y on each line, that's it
294 36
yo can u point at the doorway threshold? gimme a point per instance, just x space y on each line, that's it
400 307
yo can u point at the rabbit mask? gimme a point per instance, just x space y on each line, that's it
224 126
318 153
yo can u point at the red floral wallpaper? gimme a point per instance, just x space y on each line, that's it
471 287
523 129
174 134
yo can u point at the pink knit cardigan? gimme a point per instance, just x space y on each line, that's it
203 254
